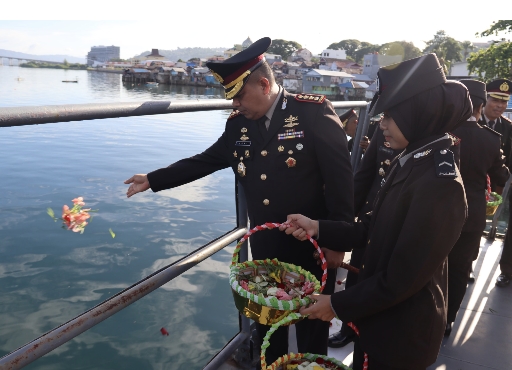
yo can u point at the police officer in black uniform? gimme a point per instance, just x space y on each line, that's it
367 183
498 96
289 152
349 122
480 154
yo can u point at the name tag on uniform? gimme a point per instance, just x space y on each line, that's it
243 143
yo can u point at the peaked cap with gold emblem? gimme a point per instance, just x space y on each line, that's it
234 72
401 81
346 116
500 89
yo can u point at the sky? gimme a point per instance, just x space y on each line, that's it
63 27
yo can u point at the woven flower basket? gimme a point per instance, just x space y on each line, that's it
493 206
270 310
287 361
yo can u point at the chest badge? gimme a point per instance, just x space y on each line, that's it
235 154
241 167
244 138
290 121
299 146
291 162
243 130
283 107
280 148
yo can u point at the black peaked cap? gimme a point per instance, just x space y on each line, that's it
401 81
232 73
475 88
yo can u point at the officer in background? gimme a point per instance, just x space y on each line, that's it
289 152
480 155
498 95
349 122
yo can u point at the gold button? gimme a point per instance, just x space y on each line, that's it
263 176
264 153
266 202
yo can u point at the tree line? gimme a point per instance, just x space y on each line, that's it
487 64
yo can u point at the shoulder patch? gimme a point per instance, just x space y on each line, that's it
445 163
234 114
490 129
310 98
456 140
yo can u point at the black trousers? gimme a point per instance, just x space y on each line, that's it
356 260
312 335
459 265
506 254
373 364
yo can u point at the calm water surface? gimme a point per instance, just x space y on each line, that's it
49 275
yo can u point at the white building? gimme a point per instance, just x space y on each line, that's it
334 54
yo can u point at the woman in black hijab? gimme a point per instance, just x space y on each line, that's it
399 302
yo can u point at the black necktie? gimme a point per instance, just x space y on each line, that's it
491 124
261 125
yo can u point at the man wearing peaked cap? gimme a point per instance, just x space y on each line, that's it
289 154
480 155
498 95
349 122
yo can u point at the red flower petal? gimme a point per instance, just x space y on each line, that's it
164 331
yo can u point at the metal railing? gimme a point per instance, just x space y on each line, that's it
21 116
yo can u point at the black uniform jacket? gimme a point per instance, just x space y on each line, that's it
399 302
504 127
480 154
303 168
373 168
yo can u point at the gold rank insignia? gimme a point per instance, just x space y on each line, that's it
381 171
291 162
387 162
310 98
234 114
241 167
280 148
290 121
244 138
243 130
247 154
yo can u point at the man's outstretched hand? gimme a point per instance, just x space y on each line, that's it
139 183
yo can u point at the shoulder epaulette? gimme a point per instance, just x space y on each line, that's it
234 114
310 98
506 119
456 140
490 129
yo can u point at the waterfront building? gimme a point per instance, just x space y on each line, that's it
319 81
102 54
292 83
237 48
334 54
372 63
154 55
301 55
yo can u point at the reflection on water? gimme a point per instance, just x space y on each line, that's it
49 275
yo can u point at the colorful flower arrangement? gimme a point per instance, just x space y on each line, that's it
74 218
275 281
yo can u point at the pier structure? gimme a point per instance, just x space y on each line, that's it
13 61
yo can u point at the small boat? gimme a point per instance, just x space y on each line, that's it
75 81
151 83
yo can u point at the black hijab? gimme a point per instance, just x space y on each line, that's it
433 112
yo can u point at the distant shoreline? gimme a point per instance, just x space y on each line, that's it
107 70
70 66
